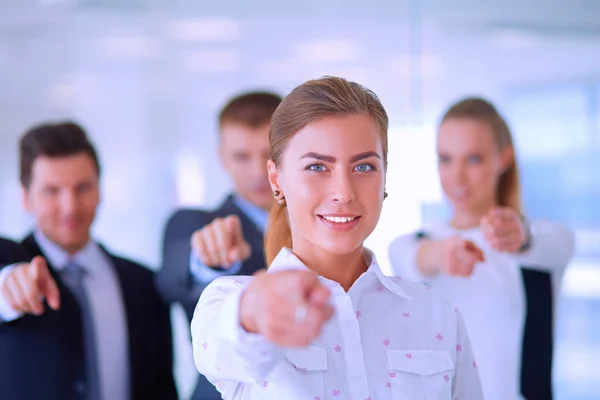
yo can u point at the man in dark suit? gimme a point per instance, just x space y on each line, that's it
77 322
229 240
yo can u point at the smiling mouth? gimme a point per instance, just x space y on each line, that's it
340 222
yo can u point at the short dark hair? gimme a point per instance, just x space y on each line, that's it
252 109
62 139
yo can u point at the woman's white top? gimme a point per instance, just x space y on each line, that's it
492 299
388 340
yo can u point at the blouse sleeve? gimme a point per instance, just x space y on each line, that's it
223 351
552 246
403 258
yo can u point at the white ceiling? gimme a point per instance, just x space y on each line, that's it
546 15
221 46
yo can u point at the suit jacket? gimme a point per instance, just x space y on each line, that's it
175 281
12 252
42 357
538 335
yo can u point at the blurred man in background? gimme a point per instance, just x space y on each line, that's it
77 322
201 245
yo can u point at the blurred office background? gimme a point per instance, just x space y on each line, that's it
147 77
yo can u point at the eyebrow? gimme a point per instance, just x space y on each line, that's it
330 159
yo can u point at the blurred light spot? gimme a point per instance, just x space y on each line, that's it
210 60
126 46
61 95
429 66
511 38
204 29
587 241
189 179
582 279
286 70
329 51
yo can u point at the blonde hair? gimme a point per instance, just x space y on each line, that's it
309 102
509 189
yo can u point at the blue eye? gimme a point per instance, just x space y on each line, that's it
364 168
316 167
475 159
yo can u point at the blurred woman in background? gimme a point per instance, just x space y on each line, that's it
501 270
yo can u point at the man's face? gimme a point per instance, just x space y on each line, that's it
244 153
63 196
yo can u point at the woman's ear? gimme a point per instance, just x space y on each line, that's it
273 174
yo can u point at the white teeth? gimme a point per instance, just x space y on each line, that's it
339 220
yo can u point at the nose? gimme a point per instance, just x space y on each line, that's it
68 201
342 187
459 172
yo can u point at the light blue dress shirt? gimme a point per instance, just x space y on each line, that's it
203 274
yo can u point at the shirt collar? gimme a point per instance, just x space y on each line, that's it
286 260
256 214
59 258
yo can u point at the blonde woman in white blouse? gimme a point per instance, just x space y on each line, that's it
324 322
501 271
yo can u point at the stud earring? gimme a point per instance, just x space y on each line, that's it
279 198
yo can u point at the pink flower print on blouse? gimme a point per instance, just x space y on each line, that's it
392 374
408 355
336 392
204 346
388 384
337 348
358 314
266 384
386 342
380 288
439 336
446 378
406 314
458 347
